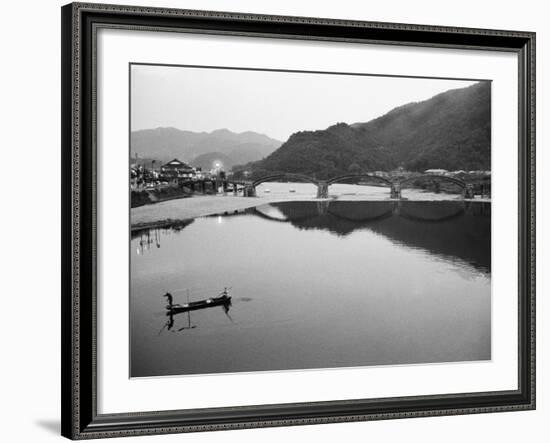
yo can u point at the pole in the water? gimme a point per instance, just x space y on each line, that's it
188 312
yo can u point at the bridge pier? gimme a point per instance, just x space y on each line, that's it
395 191
469 191
322 207
396 210
322 190
249 191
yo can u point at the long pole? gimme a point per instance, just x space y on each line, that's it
188 312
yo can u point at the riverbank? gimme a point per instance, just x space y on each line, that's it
156 195
167 213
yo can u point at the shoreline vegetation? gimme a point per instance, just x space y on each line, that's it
157 195
174 212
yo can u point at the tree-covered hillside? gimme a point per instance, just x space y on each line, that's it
451 131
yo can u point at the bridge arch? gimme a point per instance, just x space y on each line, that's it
457 214
341 178
454 180
303 217
262 214
379 210
289 176
432 212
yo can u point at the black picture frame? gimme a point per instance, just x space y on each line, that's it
79 170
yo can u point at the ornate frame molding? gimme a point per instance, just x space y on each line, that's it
79 392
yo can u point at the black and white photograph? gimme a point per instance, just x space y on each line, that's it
293 220
242 221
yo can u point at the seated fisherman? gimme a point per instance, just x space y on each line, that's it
170 299
171 303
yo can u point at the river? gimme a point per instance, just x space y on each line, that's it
316 284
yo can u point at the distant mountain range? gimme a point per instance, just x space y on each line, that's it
452 130
201 148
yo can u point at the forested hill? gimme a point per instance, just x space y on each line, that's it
451 131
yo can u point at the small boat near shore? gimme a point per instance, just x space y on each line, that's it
222 300
172 309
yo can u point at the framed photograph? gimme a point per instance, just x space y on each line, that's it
273 221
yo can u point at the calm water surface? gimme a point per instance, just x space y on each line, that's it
315 285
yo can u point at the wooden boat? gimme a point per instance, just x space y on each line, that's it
222 300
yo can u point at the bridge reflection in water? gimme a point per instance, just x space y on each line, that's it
452 229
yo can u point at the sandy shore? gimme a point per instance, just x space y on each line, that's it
173 211
200 206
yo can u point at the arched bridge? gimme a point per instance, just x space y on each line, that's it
395 185
287 176
433 177
467 189
323 192
346 177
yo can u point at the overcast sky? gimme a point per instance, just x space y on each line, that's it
273 103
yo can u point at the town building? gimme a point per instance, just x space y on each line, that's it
176 169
